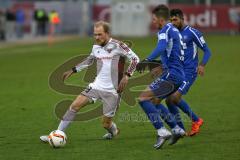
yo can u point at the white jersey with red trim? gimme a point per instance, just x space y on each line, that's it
108 58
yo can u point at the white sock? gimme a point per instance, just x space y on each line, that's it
67 119
178 130
113 129
163 132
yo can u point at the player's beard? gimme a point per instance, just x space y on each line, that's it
103 43
100 43
180 27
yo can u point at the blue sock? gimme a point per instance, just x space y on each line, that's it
166 115
186 109
174 110
152 113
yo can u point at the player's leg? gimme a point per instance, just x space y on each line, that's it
173 109
70 114
170 119
110 126
111 103
164 113
149 108
177 131
196 121
172 102
157 89
86 97
184 106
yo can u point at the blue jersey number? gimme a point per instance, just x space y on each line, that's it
183 46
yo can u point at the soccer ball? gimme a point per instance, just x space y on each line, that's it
57 139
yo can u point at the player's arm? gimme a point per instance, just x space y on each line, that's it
133 59
206 57
199 40
131 56
87 62
160 48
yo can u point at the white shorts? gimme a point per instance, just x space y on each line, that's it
111 101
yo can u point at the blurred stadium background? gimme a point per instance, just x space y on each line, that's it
22 18
27 60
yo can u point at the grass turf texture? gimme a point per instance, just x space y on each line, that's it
27 108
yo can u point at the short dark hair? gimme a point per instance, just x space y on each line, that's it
105 25
161 11
176 12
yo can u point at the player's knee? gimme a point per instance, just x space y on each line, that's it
76 104
156 101
172 100
140 99
143 97
79 102
177 100
168 101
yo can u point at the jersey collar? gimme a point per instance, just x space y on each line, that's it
185 27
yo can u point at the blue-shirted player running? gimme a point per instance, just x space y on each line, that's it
169 48
192 39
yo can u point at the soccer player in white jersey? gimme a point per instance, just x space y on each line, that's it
108 83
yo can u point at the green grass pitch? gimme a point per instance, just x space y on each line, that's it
27 108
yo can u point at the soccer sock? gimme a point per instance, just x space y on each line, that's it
166 115
67 119
186 109
152 113
175 112
112 129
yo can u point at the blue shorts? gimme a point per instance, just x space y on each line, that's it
189 80
166 85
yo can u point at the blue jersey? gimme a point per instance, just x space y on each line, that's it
169 48
192 40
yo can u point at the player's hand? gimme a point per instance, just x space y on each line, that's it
156 72
141 66
122 84
67 74
154 63
201 70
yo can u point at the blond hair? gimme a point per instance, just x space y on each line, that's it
105 25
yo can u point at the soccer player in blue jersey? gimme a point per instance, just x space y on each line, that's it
192 39
169 49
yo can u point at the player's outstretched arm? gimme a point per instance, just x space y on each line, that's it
87 62
160 48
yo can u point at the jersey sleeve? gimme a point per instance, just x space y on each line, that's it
160 48
86 63
131 56
199 40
